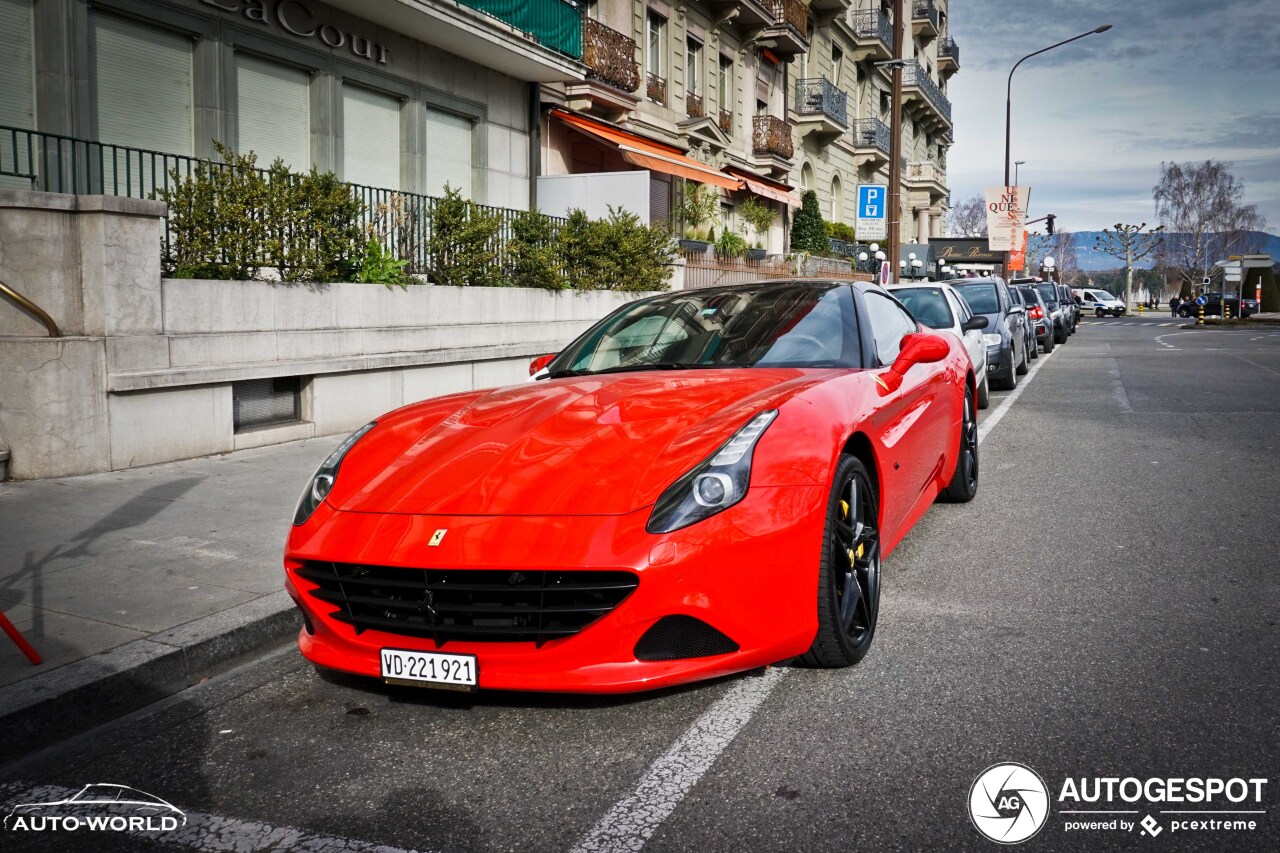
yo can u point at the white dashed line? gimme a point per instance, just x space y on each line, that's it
208 832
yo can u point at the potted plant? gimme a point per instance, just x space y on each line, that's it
731 244
759 216
698 211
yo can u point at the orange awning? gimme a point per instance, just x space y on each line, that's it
646 154
768 189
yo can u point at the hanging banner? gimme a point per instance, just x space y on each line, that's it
1018 255
1006 216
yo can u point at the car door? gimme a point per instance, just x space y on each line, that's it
910 425
1016 318
973 338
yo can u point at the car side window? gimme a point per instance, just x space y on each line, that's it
889 323
960 307
1002 293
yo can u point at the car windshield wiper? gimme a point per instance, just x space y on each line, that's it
560 374
630 368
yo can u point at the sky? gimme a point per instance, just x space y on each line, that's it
1172 80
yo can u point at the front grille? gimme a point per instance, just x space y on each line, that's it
479 605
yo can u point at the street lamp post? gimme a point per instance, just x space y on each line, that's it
1008 102
1016 164
1008 99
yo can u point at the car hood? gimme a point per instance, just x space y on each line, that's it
594 445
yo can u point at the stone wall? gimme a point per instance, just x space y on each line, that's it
145 371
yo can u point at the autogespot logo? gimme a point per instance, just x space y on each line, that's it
1009 803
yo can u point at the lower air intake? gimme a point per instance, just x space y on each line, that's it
680 637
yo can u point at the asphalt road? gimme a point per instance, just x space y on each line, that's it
1107 606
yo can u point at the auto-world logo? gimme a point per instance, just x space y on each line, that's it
1009 803
98 808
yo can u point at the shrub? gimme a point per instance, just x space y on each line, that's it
380 266
216 218
758 215
841 231
731 244
462 248
698 210
807 232
534 259
314 229
617 253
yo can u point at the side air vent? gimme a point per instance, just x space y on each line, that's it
680 637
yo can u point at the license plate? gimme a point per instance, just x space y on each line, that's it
429 669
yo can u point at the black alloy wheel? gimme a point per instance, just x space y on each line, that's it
964 480
849 572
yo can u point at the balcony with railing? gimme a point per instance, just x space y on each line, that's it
613 75
948 56
919 87
655 88
925 23
789 30
926 176
555 24
873 35
771 138
820 108
871 141
693 105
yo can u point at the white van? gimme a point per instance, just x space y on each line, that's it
1099 302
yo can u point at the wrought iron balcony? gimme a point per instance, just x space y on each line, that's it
693 105
556 24
817 96
655 89
789 30
871 133
873 29
924 19
771 137
726 121
948 56
916 79
609 56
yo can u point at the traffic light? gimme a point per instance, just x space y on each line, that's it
1048 223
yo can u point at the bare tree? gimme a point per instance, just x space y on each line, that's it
1129 243
968 218
1202 206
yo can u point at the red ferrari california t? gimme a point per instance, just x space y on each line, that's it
704 482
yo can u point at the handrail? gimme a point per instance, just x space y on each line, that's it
31 307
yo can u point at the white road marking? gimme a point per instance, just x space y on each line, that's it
1117 388
1255 364
634 819
989 422
207 832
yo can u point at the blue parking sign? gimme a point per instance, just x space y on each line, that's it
870 218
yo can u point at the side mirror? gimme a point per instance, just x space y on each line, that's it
1016 309
916 348
540 362
975 324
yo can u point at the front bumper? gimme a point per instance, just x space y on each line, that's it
750 572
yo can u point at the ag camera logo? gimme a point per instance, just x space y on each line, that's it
1009 803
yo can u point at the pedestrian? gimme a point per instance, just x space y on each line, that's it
1174 302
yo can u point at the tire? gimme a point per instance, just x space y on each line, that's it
1048 344
1059 334
964 480
1010 380
847 624
1099 313
984 392
1025 364
1033 351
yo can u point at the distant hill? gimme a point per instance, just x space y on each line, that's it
1090 259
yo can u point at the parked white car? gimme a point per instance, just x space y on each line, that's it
938 306
1099 302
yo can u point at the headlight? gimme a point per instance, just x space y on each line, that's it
991 340
322 481
716 484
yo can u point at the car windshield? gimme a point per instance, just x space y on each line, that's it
1048 293
928 305
982 298
1103 296
796 324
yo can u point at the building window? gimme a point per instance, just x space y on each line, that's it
370 138
273 112
837 201
724 93
884 103
258 403
17 87
693 77
655 57
837 66
448 153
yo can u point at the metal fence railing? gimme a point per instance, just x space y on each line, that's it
703 270
50 162
819 95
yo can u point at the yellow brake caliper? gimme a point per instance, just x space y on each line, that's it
853 555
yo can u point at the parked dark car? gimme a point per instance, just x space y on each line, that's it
1213 306
1068 301
1049 293
1029 330
1038 317
1005 337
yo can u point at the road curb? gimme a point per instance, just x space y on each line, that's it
45 708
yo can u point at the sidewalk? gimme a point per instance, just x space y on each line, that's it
133 583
